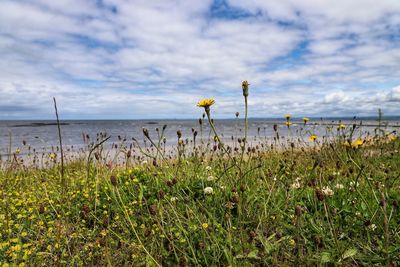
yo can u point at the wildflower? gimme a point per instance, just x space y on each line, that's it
208 168
327 191
372 227
357 143
210 178
17 150
341 126
288 116
206 103
204 225
313 138
208 190
288 123
296 185
292 242
339 186
305 119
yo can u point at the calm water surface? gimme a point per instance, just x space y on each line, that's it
40 136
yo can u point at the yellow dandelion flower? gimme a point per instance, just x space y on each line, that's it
305 119
292 242
357 143
206 103
204 225
342 126
313 138
17 150
288 123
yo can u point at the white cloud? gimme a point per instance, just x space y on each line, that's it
142 58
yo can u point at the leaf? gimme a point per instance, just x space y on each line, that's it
253 255
326 257
349 253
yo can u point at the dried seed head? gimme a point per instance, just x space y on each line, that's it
320 195
235 198
182 262
298 211
113 180
242 188
145 132
153 210
245 87
275 127
41 208
237 114
179 134
317 241
106 221
161 194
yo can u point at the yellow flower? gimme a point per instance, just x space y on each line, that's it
206 102
341 126
17 150
357 143
292 242
204 225
305 119
392 137
288 116
288 123
313 138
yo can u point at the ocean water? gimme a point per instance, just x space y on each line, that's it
43 135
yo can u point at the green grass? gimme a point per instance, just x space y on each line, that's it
271 209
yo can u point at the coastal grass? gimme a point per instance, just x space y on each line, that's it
331 204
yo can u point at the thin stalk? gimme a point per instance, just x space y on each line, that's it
61 147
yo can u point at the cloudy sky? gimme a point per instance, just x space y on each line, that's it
156 59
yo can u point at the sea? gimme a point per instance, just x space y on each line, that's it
42 135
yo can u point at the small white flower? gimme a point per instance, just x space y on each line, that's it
144 162
372 227
208 168
208 190
210 178
296 185
222 187
339 186
173 199
327 191
358 214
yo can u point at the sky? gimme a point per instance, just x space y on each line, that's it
133 59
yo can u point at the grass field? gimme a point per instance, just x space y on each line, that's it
333 203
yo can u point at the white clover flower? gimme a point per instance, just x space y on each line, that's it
210 178
327 191
372 227
208 190
339 186
296 185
